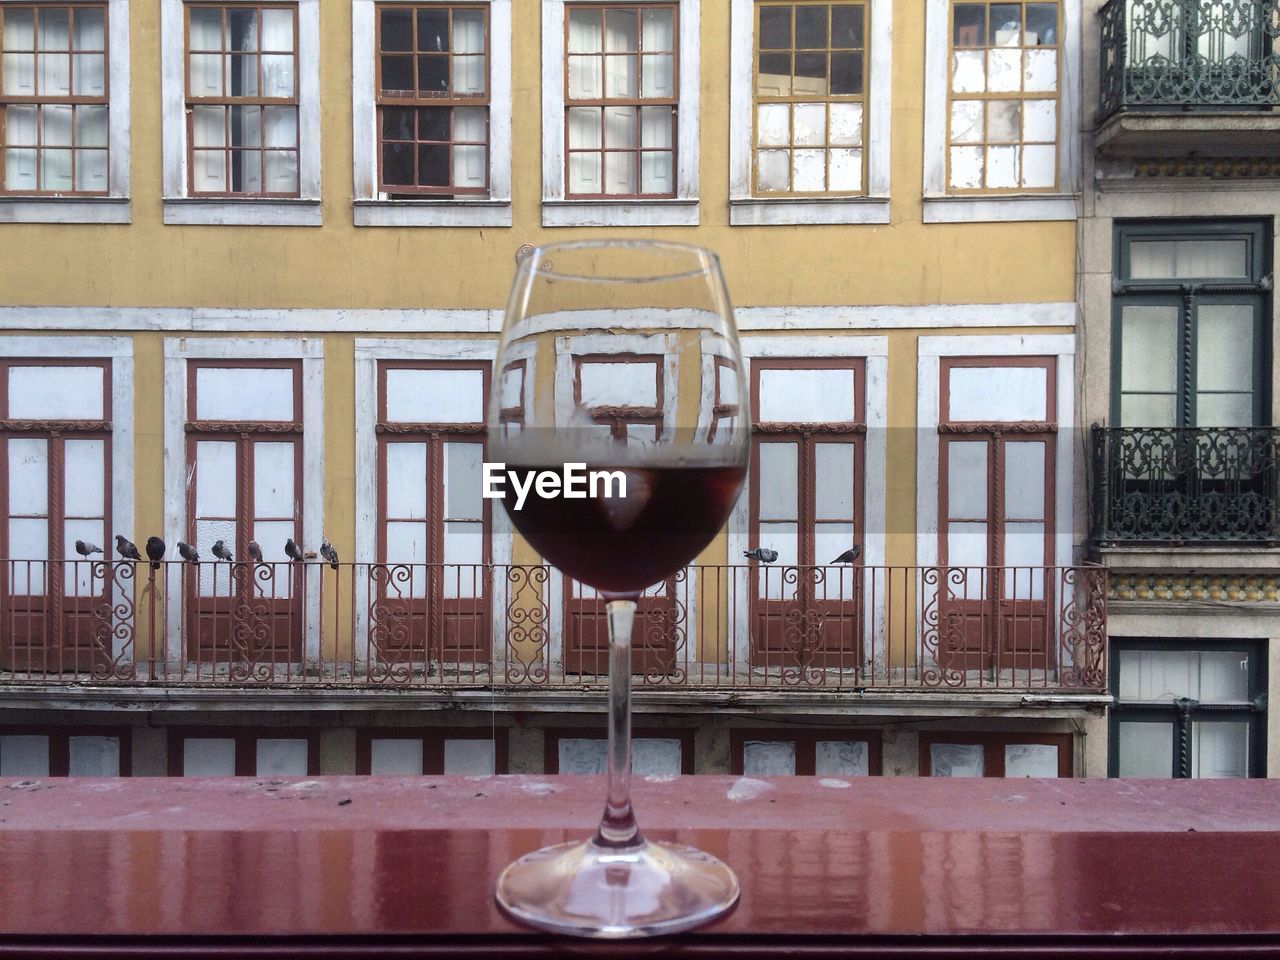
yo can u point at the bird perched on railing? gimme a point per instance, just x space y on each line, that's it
221 552
188 553
329 554
86 549
849 556
155 551
255 551
126 548
763 554
292 550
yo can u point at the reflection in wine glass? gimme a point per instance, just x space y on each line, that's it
618 414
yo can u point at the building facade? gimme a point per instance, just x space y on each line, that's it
255 263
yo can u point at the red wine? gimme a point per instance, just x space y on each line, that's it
624 544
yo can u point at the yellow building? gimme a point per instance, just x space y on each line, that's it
255 263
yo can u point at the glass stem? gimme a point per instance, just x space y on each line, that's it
618 826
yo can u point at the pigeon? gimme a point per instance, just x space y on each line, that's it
155 551
330 554
255 551
850 555
85 549
127 549
292 550
763 554
188 552
221 552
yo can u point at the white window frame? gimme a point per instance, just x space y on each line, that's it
940 206
682 210
177 351
373 211
182 208
119 350
115 207
873 207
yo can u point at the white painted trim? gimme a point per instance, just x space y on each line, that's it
1005 345
177 350
373 210
749 319
174 129
1029 206
872 207
115 207
555 210
213 212
875 351
119 350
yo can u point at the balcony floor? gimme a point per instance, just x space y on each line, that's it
405 867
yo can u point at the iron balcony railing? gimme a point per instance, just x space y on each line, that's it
1186 485
522 627
1189 54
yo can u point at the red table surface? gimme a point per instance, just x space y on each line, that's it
389 866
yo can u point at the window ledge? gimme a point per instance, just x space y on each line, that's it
994 209
766 211
65 210
432 213
679 212
216 211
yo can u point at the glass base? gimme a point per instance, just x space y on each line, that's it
585 890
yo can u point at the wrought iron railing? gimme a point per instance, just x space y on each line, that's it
522 627
1186 485
1189 53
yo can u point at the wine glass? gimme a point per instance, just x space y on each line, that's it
620 357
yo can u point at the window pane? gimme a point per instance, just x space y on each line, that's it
274 494
242 28
24 755
970 24
84 478
56 393
1030 760
1148 350
470 757
94 756
773 170
846 124
282 758
215 478
621 384
582 755
621 31
994 394
433 29
967 480
811 27
778 481
656 757
277 30
956 760
435 396
773 78
842 758
28 477
830 540
1146 749
1024 480
407 544
1224 410
208 757
1224 346
1219 748
768 758
1025 546
775 28
1184 259
462 480
244 393
406 480
814 396
834 481
388 756
1210 676
773 583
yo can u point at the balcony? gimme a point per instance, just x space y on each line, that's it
1185 487
520 629
1189 78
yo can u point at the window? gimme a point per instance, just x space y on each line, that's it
244 463
620 113
823 753
807 142
242 100
995 755
461 751
237 752
73 752
55 462
241 112
1190 318
433 100
655 751
810 82
1187 711
54 88
806 490
1003 97
434 524
620 102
